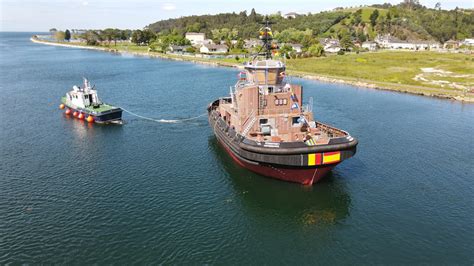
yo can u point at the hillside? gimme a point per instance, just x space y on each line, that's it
245 25
408 21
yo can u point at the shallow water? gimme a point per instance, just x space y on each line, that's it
149 192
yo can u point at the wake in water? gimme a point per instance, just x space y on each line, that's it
163 120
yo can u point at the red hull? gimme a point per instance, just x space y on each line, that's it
305 176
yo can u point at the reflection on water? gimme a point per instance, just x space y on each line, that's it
81 129
323 203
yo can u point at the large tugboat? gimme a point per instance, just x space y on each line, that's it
82 102
265 128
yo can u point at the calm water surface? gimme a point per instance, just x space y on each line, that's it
147 192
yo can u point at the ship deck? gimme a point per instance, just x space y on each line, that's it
102 108
320 135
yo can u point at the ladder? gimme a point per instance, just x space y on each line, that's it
260 101
250 123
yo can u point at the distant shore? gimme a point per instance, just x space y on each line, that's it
416 90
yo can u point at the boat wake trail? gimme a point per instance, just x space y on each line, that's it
163 120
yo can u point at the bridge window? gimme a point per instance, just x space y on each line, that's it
294 120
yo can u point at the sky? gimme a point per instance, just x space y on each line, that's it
41 15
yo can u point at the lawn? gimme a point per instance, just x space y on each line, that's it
392 67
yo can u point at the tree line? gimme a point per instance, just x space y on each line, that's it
407 20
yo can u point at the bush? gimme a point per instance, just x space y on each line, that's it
316 50
191 49
92 42
341 52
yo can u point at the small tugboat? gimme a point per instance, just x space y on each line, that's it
84 103
264 127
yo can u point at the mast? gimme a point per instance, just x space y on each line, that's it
266 35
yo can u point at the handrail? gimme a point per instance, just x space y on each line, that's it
276 111
248 117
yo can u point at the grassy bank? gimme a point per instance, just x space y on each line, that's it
391 67
442 75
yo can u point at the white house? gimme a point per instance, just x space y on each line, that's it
329 41
332 48
390 42
434 45
290 15
371 46
213 49
233 42
195 37
468 42
177 48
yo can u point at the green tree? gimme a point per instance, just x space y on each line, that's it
357 17
195 27
137 36
316 50
67 35
109 35
125 34
59 36
191 49
91 37
307 41
155 47
285 50
240 44
345 39
373 17
253 15
361 36
144 37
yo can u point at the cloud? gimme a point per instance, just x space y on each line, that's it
168 7
85 3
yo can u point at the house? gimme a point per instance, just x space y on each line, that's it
332 48
390 42
296 47
357 43
213 49
290 15
252 43
195 37
233 42
468 42
330 45
434 45
178 48
451 44
371 46
329 41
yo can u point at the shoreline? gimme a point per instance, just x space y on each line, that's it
401 88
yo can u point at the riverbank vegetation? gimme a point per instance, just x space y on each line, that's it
437 73
446 75
418 71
